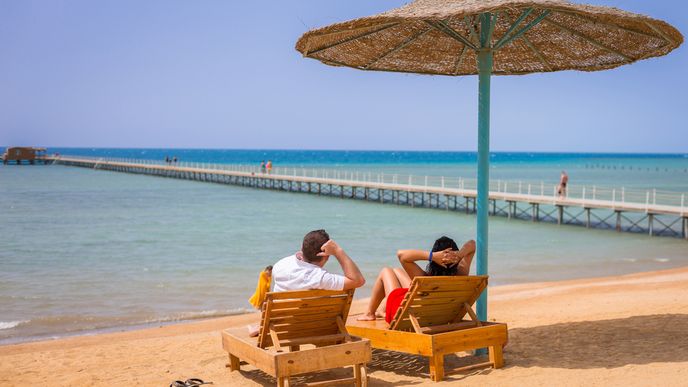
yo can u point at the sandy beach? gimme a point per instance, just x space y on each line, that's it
625 330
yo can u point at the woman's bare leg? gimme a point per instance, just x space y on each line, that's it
384 284
403 277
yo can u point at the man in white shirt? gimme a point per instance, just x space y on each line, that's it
304 270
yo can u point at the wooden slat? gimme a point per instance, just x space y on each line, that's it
308 317
467 368
334 382
305 294
296 326
342 328
448 327
263 334
455 296
347 307
414 323
471 313
391 340
307 333
313 339
275 339
338 355
337 309
480 337
436 309
458 283
308 303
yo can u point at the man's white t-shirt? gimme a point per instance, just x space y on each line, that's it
291 273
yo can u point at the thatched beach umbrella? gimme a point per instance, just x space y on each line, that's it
485 37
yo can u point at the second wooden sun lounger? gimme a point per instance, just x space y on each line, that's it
290 320
430 322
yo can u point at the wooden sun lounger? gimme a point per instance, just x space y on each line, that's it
290 320
430 322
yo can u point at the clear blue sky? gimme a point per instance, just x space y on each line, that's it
225 74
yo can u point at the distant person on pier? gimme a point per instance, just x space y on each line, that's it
563 182
268 166
262 166
444 259
174 159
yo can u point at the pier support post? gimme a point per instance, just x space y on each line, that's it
618 221
587 218
685 228
560 214
494 207
536 212
650 220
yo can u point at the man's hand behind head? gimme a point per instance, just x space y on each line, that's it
329 248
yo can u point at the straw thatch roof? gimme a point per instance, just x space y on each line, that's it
441 37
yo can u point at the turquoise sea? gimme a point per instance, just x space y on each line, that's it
85 251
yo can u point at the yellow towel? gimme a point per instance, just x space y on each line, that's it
263 287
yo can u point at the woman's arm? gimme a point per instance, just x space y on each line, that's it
408 259
465 257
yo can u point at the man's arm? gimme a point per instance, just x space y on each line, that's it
352 275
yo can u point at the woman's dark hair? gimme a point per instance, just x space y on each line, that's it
433 269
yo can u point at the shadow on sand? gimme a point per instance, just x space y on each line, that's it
577 345
601 344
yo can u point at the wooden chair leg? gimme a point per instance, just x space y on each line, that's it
496 356
364 375
437 367
357 375
234 363
283 381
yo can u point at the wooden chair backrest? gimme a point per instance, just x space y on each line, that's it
434 301
304 317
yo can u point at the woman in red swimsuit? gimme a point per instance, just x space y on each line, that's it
445 259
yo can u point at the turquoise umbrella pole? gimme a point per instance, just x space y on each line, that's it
485 59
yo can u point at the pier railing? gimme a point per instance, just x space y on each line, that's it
622 195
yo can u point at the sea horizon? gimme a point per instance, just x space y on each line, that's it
593 153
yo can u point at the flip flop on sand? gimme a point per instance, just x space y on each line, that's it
189 383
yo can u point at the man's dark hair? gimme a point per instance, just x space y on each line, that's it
443 243
312 243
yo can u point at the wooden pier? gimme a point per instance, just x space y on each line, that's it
620 215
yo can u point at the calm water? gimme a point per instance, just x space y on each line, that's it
84 250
